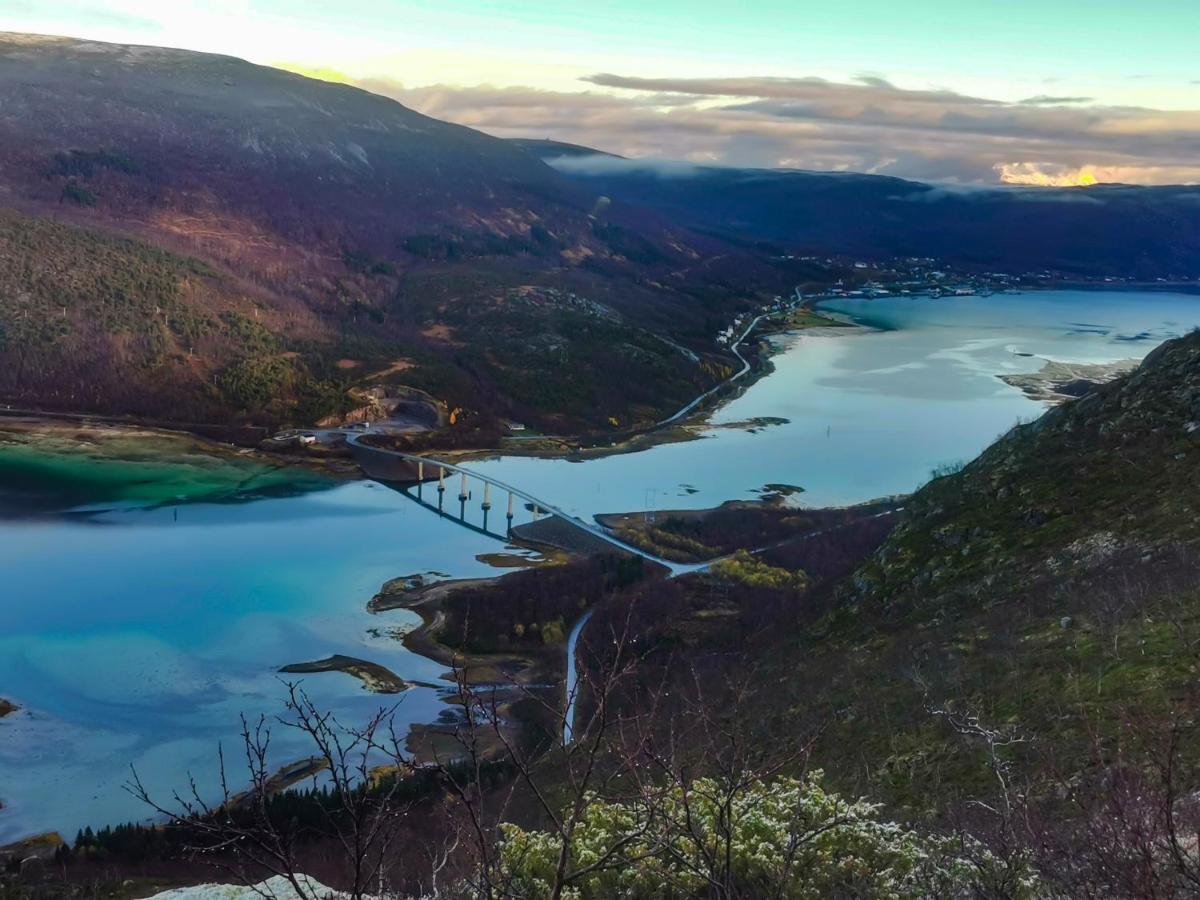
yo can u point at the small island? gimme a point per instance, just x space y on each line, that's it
374 677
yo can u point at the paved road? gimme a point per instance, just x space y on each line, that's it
728 381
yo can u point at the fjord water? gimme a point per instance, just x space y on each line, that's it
144 614
137 636
871 414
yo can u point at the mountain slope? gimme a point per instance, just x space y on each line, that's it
1025 640
377 247
1109 476
96 322
1047 595
210 138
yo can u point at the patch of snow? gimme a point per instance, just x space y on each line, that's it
358 153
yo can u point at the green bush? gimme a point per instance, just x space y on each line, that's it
77 193
783 838
252 383
748 569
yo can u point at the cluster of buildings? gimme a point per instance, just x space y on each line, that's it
737 328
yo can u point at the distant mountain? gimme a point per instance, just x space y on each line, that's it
547 149
1111 229
346 243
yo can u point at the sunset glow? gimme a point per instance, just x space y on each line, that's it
1033 174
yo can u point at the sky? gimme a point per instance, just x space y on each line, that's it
967 91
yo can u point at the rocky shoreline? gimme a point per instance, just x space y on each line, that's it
508 675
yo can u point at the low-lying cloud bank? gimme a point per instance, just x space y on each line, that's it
810 123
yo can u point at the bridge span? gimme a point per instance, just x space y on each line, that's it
398 468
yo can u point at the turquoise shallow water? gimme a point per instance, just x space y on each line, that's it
135 633
139 636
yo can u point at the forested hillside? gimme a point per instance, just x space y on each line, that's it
367 245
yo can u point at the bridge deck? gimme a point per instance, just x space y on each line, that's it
381 464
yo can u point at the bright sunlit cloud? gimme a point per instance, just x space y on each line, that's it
1048 175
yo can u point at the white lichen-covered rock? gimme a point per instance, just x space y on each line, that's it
277 888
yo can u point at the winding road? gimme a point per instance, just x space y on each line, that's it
735 347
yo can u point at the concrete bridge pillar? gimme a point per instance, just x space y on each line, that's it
487 496
462 487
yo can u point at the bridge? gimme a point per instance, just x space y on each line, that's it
411 472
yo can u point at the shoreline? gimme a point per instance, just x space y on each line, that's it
426 601
511 676
1056 382
673 429
246 436
89 429
679 427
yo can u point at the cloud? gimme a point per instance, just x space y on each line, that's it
1046 174
810 88
874 81
869 125
604 164
1050 100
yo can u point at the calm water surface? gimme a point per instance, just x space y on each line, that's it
135 633
138 636
871 414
